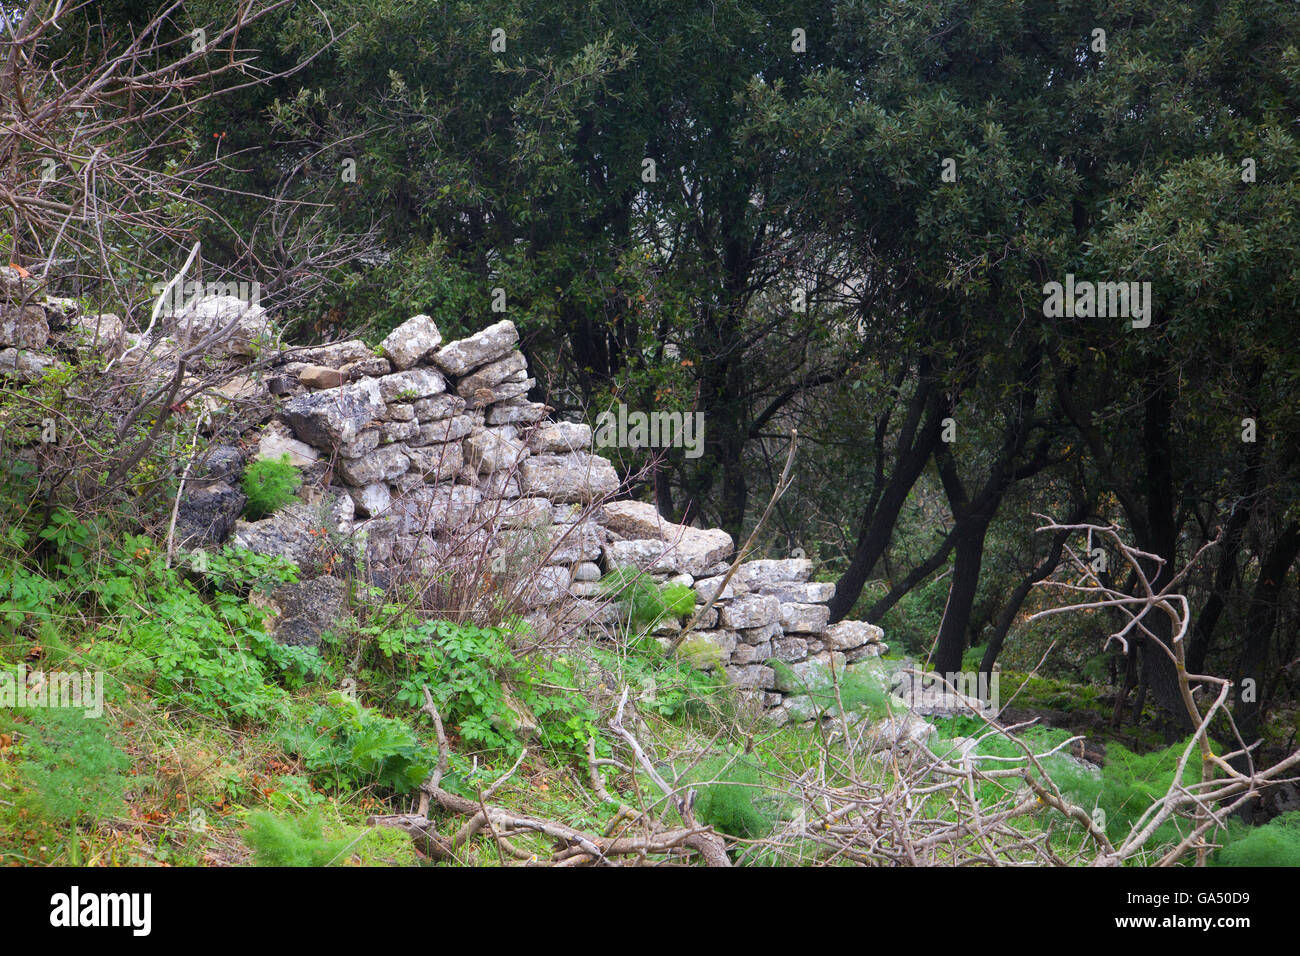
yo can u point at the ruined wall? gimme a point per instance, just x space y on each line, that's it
426 439
417 451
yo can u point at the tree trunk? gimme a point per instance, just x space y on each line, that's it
1261 621
968 559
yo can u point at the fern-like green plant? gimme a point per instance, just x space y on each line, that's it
293 840
731 798
1276 843
270 484
644 601
73 768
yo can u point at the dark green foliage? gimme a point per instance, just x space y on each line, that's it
644 601
1276 843
483 690
270 484
732 797
347 745
202 649
293 840
1129 783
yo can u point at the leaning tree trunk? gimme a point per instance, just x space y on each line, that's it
967 562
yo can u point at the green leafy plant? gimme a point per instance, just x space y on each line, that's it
732 798
347 745
294 840
73 767
270 484
644 601
1276 843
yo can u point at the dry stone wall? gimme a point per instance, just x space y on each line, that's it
427 438
410 448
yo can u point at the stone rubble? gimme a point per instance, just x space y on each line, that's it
421 450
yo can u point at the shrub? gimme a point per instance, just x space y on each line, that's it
270 484
72 766
346 744
645 602
1276 843
730 798
293 841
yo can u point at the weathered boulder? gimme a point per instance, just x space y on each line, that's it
804 618
221 463
752 653
458 358
571 543
790 592
491 375
434 463
517 411
306 610
335 355
767 572
104 331
639 519
865 651
560 437
568 478
757 635
414 383
433 509
846 635
411 341
444 430
276 441
751 610
382 464
365 442
23 365
390 432
681 547
244 327
506 391
706 589
809 677
519 513
439 407
751 676
494 449
23 327
371 500
544 586
789 650
207 512
320 376
375 366
334 417
298 531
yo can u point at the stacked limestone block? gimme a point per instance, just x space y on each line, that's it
431 442
768 612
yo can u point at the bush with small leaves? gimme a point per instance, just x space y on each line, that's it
270 484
